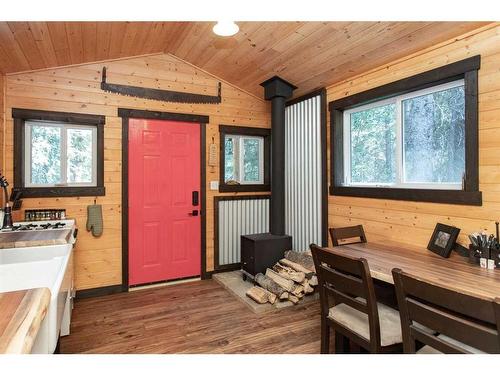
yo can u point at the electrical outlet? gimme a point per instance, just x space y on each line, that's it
214 185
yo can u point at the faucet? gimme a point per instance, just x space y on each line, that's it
7 218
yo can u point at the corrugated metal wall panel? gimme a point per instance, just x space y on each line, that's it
236 218
303 172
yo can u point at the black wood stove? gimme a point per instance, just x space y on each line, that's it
260 251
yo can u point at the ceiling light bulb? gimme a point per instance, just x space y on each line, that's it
225 28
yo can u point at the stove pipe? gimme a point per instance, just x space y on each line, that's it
277 90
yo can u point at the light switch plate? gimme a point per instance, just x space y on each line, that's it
214 185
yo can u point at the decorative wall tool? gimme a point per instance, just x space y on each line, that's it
158 94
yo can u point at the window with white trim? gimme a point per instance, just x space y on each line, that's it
59 154
415 140
243 159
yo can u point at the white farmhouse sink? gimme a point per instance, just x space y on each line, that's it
35 253
42 266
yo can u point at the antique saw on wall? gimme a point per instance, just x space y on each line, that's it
158 94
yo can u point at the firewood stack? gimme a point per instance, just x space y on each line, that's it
290 279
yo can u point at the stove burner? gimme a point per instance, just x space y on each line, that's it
23 227
52 226
31 226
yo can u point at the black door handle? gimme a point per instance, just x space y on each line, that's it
193 213
194 198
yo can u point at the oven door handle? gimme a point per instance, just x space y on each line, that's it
73 236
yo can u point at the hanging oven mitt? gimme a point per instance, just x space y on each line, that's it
94 219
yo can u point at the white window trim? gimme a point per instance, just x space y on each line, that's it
397 100
238 156
64 147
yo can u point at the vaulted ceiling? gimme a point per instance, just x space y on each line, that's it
308 54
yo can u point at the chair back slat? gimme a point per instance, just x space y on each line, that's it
435 342
341 263
463 330
344 233
341 297
346 280
465 304
464 318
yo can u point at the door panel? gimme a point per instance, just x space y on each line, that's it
164 170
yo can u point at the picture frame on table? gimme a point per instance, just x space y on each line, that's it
443 239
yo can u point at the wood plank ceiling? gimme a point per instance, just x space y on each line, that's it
308 54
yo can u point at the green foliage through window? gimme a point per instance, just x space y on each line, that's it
243 159
79 155
434 134
416 138
46 155
373 143
60 154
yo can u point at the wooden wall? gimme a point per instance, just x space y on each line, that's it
413 222
76 89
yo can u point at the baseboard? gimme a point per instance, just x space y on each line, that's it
98 292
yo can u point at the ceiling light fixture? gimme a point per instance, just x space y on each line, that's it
225 28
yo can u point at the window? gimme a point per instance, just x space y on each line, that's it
410 141
244 154
244 159
413 139
58 154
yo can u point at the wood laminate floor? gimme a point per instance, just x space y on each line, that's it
196 317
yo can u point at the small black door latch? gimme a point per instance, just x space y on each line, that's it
194 198
193 213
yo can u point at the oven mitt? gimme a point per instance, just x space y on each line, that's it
94 219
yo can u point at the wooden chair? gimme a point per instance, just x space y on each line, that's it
463 323
349 305
347 232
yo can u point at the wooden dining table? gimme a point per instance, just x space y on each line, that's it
455 272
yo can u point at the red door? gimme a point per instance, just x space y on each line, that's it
164 217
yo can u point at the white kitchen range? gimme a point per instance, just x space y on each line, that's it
39 254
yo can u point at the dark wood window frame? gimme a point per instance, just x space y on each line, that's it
249 131
20 190
465 69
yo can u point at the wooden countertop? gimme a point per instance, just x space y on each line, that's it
454 272
22 313
34 238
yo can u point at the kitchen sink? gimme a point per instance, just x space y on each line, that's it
38 267
34 253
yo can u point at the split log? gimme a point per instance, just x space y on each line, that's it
313 281
305 260
286 284
298 290
289 273
296 267
261 295
270 296
308 289
257 294
270 285
293 299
